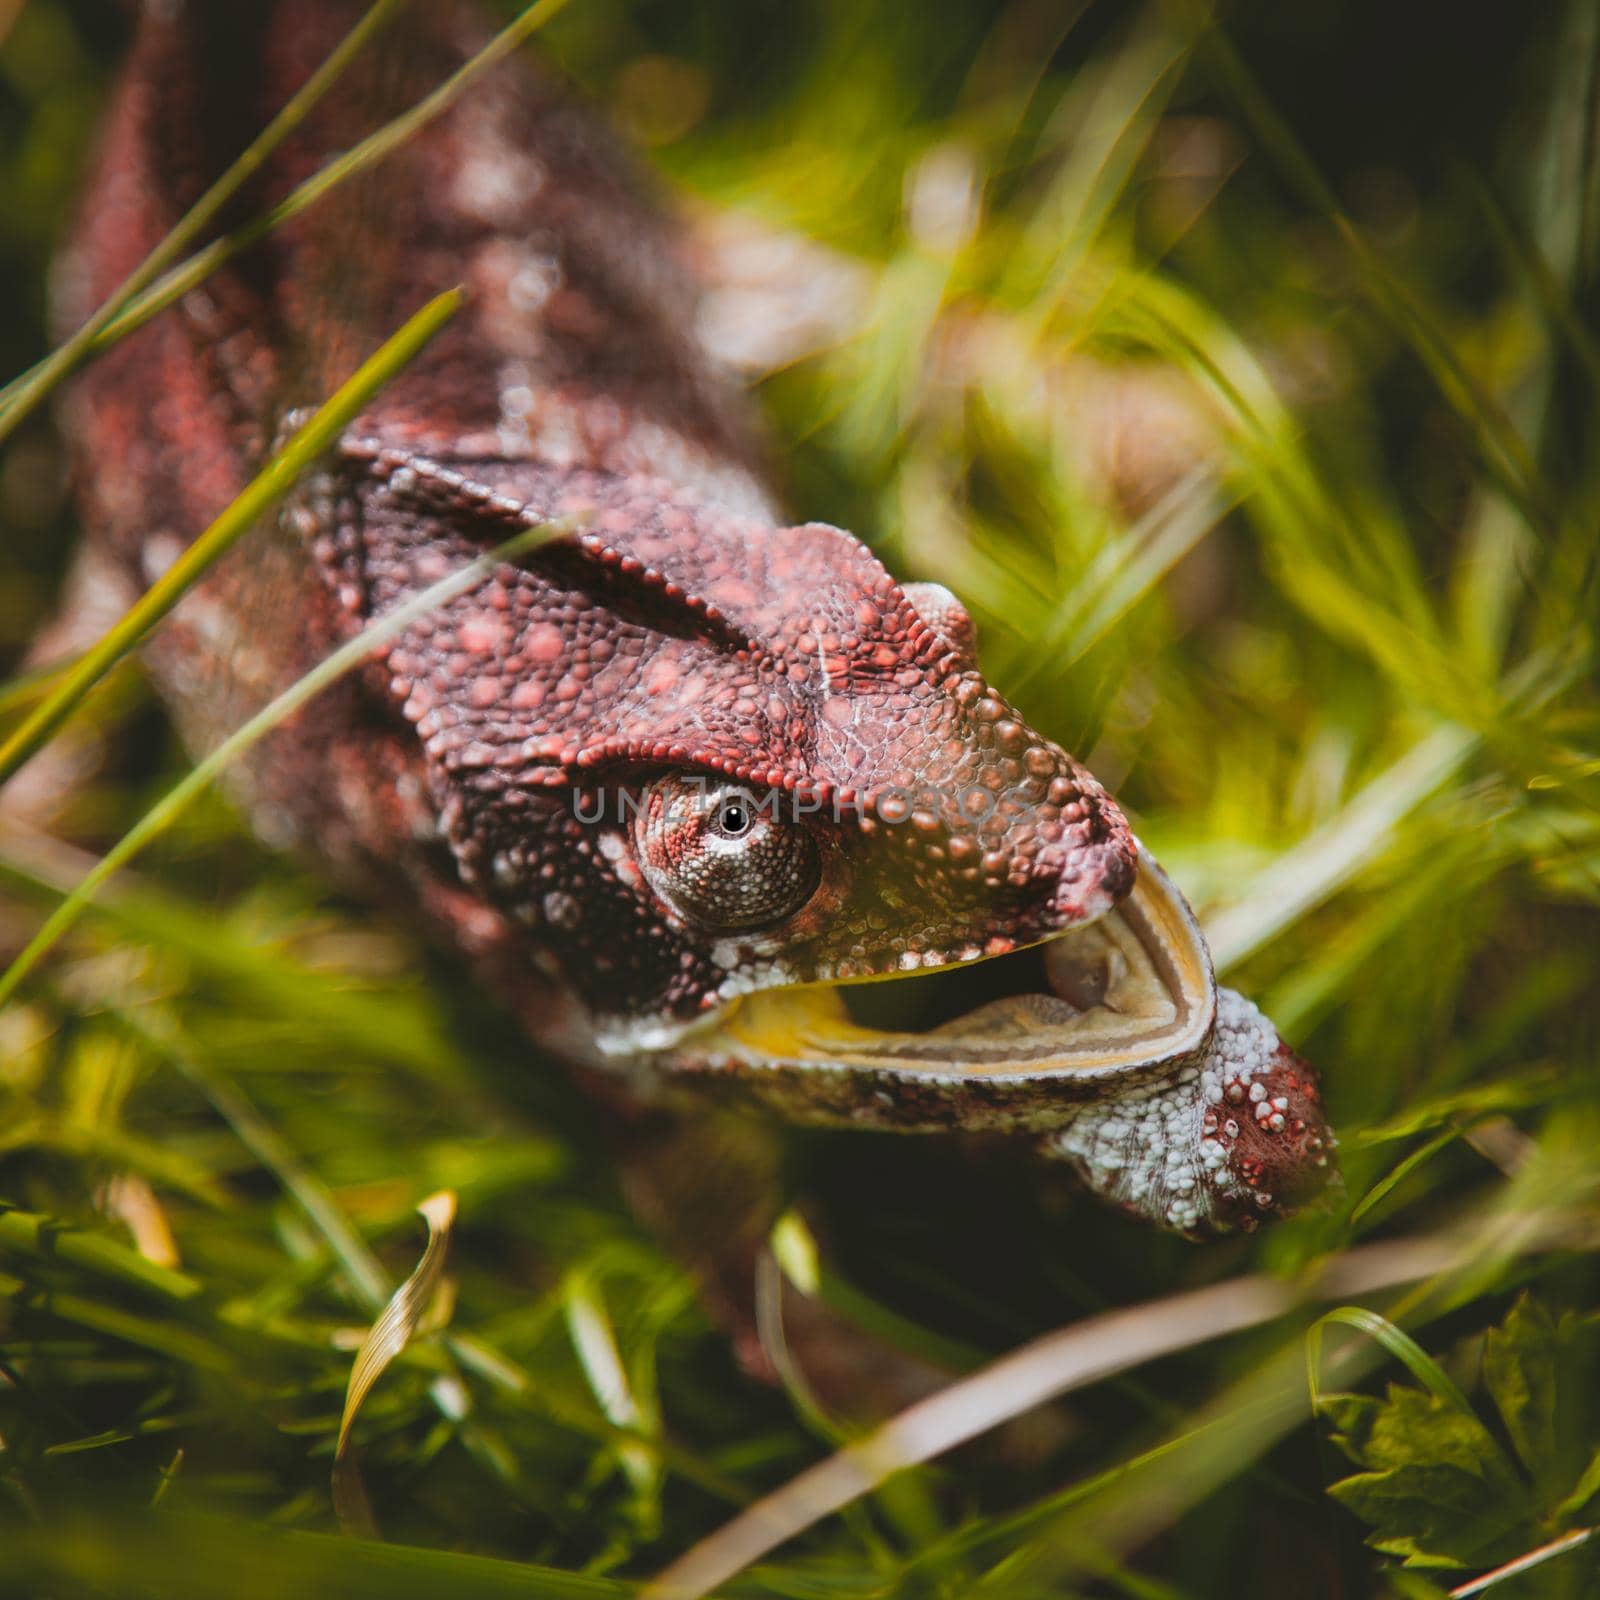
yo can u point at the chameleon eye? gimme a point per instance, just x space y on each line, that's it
734 817
722 855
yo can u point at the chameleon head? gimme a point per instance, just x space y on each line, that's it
814 860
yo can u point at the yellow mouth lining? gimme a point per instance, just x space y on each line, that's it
1133 987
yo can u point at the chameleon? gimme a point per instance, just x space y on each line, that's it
724 812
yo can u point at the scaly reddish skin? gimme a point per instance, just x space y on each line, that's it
684 631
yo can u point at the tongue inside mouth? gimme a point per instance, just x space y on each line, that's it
1103 972
1134 987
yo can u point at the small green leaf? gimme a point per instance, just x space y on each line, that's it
1439 1491
1585 1490
1437 1488
1519 1370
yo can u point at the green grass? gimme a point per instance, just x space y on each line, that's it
1323 612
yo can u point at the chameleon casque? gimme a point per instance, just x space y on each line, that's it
681 783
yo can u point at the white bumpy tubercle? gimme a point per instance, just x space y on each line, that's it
1231 1137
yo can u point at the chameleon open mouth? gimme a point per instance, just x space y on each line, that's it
1130 990
1109 1044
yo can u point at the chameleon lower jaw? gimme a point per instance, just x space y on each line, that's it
1174 1099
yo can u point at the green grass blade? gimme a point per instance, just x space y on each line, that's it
188 1557
28 687
163 1336
368 153
45 1239
1397 1174
1505 453
345 659
1329 858
42 868
22 397
1398 1343
264 490
366 1276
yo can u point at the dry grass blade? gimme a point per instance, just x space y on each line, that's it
1069 1359
387 1337
1534 1558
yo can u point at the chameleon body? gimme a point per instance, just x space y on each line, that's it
680 783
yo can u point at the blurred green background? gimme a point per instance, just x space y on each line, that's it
1239 370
